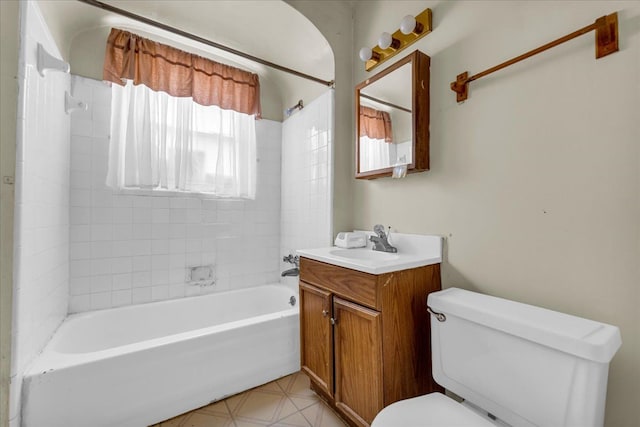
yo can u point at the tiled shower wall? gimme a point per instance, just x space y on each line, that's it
307 145
128 248
41 271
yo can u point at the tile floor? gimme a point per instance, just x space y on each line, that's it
282 403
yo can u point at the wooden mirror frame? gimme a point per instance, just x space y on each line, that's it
420 64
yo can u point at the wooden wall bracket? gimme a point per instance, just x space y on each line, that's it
606 29
606 35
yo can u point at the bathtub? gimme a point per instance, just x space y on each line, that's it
139 365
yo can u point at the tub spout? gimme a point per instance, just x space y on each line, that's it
291 272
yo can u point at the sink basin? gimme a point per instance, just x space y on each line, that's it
413 251
364 254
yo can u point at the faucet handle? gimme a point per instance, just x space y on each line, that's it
379 230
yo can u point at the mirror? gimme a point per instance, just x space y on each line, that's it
392 119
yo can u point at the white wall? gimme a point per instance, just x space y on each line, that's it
41 264
128 248
307 145
535 179
9 32
334 19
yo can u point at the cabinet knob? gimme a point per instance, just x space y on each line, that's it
325 313
333 321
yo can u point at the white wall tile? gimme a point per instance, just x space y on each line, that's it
159 247
121 281
101 249
145 243
141 295
80 233
79 251
140 279
142 231
160 216
100 300
121 265
42 236
141 215
122 248
100 283
141 263
78 215
159 262
78 303
122 231
121 298
101 232
177 290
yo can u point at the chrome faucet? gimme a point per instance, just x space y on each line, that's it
295 260
291 272
381 242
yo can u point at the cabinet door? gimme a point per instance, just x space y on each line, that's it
316 336
358 361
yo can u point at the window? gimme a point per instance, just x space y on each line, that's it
162 142
179 122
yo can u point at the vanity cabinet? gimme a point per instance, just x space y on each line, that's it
365 338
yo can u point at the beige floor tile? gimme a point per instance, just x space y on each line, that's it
262 406
234 402
286 402
302 402
297 385
285 381
321 415
217 408
295 420
272 386
200 419
173 422
242 423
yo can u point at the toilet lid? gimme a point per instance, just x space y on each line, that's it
430 410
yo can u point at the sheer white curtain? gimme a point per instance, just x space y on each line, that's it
161 142
374 153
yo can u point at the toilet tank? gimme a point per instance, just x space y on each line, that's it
526 365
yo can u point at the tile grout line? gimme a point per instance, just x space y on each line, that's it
280 389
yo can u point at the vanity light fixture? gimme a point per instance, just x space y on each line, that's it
409 25
367 54
387 41
411 29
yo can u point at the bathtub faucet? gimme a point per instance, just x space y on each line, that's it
291 272
295 260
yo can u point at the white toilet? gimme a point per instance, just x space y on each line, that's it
514 364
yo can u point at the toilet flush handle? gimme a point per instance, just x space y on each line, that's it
440 316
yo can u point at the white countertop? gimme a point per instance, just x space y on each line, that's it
413 251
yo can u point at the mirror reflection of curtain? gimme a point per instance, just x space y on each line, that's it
374 154
375 124
376 137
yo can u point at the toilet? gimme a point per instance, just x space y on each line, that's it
513 364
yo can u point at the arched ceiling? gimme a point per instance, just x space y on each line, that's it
269 29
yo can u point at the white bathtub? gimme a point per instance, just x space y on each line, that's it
138 365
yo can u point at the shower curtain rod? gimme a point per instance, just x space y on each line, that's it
122 12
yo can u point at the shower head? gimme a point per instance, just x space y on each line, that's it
298 106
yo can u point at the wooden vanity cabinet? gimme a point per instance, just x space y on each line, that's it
365 339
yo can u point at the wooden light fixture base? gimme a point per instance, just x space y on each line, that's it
404 40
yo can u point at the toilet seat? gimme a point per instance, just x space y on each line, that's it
430 410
